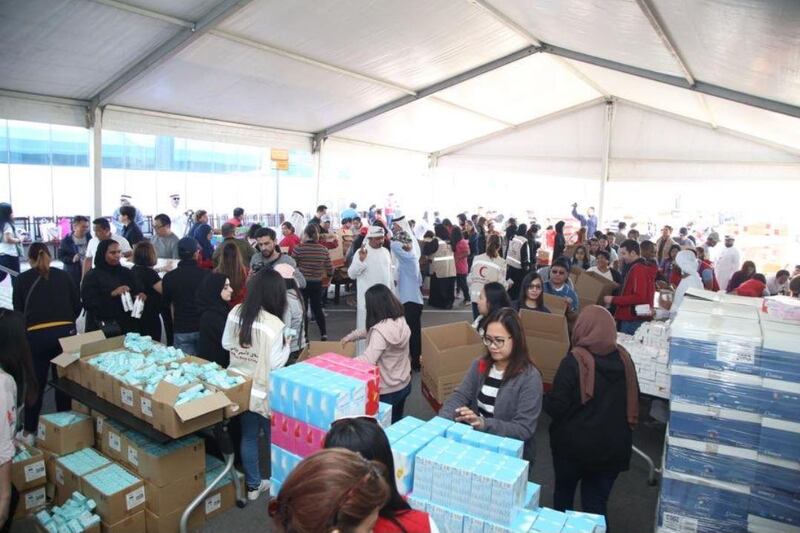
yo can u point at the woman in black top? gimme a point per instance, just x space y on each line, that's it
144 259
213 298
102 290
49 301
560 243
531 294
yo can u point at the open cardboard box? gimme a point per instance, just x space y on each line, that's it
447 353
239 395
71 347
548 341
29 473
181 420
316 348
592 287
556 304
101 383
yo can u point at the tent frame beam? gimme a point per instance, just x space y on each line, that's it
168 50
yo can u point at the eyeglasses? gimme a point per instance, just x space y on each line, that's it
157 226
558 272
535 287
498 342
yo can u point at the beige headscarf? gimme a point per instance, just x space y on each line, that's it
595 334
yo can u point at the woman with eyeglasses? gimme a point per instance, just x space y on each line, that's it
364 436
531 294
502 391
332 491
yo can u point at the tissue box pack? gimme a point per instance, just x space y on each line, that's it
402 427
384 415
493 443
707 505
780 353
28 469
731 390
71 470
65 432
282 462
714 424
776 505
780 439
75 515
295 436
778 473
118 493
712 461
181 410
598 520
163 464
404 450
360 370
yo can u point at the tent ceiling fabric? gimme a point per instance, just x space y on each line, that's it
72 48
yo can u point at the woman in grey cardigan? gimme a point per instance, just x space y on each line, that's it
502 391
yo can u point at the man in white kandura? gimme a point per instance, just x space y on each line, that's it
371 265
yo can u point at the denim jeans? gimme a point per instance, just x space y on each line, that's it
252 424
187 342
629 327
397 400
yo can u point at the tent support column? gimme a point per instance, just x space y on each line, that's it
96 156
318 145
607 124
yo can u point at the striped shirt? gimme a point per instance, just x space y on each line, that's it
313 260
488 393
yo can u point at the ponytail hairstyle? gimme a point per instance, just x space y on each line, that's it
493 246
39 258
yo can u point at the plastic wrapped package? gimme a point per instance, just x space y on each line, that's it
712 461
730 390
713 424
779 507
692 503
778 473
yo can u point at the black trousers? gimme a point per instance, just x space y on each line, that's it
413 312
44 347
11 262
313 294
595 487
463 288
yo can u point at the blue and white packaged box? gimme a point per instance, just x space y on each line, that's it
780 438
599 520
780 353
778 473
759 524
715 505
732 390
781 399
716 342
777 505
714 424
711 461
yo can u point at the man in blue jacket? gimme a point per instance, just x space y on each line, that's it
589 221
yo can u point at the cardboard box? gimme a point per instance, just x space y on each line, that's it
66 362
556 304
221 500
50 459
99 382
592 286
125 396
337 255
68 481
29 473
117 507
170 523
180 420
136 523
79 407
177 495
548 341
239 395
31 501
447 353
66 439
99 426
112 441
162 470
316 348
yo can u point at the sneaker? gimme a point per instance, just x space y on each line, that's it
28 439
323 338
254 493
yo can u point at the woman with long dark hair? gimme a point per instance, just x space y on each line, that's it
144 259
213 300
231 266
102 290
49 301
560 242
10 243
747 271
580 258
295 316
460 248
387 336
531 294
254 336
502 391
487 267
365 437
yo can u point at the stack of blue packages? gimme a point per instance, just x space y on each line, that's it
76 515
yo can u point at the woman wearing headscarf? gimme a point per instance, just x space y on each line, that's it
214 297
594 405
560 242
202 234
102 291
686 261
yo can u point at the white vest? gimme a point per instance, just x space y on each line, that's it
443 263
514 257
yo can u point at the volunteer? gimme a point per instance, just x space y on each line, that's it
364 436
314 263
49 301
295 315
603 267
460 248
667 266
638 289
72 249
231 266
502 391
755 287
531 295
269 255
518 260
254 336
486 268
594 405
387 336
442 267
409 280
558 284
740 276
560 243
164 240
290 239
144 259
102 291
102 232
213 299
332 491
180 294
493 296
372 265
686 261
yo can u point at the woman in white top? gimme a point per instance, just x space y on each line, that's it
254 336
486 268
10 243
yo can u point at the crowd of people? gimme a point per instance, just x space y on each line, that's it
247 302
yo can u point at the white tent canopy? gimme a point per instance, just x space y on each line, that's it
698 89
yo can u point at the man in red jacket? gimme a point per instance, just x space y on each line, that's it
638 289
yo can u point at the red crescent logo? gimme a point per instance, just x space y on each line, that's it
481 272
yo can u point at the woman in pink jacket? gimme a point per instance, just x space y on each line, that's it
387 337
461 255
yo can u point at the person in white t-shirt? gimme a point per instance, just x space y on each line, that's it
102 232
10 242
603 267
